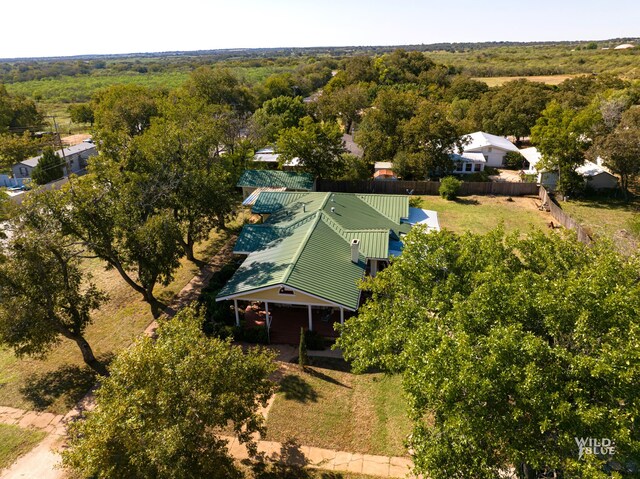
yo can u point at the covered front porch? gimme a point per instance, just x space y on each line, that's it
284 321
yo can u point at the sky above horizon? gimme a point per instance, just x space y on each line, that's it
74 27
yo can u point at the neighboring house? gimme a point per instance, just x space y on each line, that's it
624 46
383 170
468 162
76 160
312 250
493 148
595 175
269 158
251 180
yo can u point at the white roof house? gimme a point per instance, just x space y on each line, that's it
270 157
533 157
624 46
492 147
468 162
76 158
596 176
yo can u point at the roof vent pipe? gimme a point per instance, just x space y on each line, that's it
355 250
333 210
304 208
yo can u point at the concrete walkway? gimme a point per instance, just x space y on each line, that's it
340 461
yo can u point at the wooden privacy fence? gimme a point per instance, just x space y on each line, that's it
563 218
401 187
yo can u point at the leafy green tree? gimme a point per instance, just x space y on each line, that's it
563 135
124 109
401 66
219 86
81 113
379 132
117 218
431 138
511 109
18 113
278 85
509 348
50 167
514 160
465 88
303 357
162 411
345 104
274 116
318 147
45 294
621 149
16 148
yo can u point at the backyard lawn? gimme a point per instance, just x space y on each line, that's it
608 218
56 383
480 214
335 409
15 441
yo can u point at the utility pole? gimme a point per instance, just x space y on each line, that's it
64 157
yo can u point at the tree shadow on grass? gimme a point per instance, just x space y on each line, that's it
69 383
465 201
325 377
297 389
288 463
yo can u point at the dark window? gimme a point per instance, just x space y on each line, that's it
468 166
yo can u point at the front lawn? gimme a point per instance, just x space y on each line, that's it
335 409
480 214
56 383
15 441
609 218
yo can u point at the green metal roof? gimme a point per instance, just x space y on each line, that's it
305 242
276 178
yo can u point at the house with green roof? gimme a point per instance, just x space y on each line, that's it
305 259
270 180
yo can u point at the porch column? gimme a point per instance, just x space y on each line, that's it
266 313
341 315
235 307
310 319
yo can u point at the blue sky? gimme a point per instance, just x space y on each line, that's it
72 27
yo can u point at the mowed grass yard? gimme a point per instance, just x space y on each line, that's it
15 441
334 409
610 218
58 381
480 214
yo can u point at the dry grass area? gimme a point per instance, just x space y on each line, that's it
16 441
480 214
334 409
58 381
548 79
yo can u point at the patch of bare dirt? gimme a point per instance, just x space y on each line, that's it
75 139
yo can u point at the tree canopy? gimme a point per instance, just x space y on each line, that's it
50 167
162 411
510 348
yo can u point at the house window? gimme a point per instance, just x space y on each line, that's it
458 166
477 167
286 291
23 171
468 166
490 149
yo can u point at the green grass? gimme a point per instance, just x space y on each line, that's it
480 214
335 409
15 441
77 89
609 218
57 382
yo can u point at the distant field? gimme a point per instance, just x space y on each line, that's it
548 79
75 89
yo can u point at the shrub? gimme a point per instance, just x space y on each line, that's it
303 358
514 160
415 202
314 341
256 334
449 188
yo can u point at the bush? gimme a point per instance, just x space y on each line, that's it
303 358
415 202
449 188
256 334
314 341
514 160
222 331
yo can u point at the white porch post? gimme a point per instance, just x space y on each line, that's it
235 307
267 321
341 315
310 319
266 311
